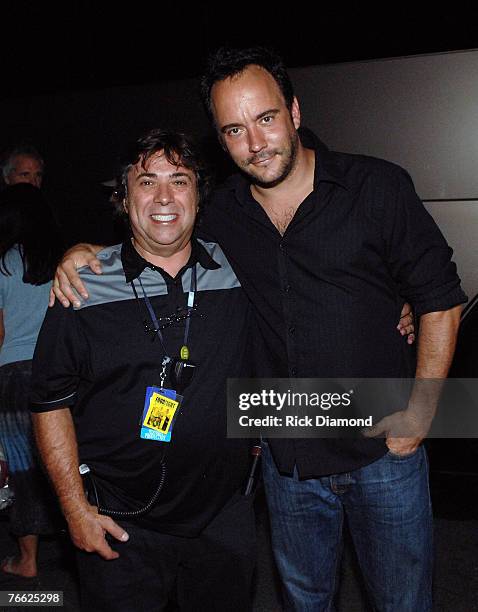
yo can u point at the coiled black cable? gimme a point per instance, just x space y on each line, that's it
85 471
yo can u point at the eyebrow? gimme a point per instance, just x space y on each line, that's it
153 175
145 175
270 111
180 174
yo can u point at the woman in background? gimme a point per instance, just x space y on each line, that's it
30 247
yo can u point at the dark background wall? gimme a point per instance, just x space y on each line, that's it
79 78
81 134
419 111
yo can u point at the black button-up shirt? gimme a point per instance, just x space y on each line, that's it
329 292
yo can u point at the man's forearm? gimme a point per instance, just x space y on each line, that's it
56 440
436 342
436 346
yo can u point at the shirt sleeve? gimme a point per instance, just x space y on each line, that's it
59 361
417 252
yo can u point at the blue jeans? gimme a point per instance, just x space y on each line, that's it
388 509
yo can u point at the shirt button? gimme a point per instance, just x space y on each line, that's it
287 289
281 246
293 371
291 329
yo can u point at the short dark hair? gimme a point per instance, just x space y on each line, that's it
178 149
227 62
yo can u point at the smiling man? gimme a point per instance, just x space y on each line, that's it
162 208
131 385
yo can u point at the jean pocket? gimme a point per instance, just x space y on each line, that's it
400 457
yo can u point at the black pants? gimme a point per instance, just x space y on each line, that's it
211 572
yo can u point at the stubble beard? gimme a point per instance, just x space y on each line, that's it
288 161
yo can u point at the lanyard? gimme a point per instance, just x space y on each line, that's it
152 314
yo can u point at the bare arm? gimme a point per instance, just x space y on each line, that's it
56 440
66 276
437 341
436 346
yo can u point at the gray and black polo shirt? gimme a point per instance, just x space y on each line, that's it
99 359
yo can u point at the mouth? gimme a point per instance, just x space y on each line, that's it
164 218
263 160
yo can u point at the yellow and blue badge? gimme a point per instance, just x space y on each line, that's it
161 408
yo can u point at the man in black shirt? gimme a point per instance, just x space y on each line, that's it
323 242
113 391
327 245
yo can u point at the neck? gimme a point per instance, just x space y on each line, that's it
170 260
296 186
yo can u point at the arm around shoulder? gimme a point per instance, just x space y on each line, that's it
67 278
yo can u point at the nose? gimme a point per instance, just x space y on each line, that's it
256 138
164 195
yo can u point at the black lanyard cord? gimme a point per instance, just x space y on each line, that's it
152 314
162 466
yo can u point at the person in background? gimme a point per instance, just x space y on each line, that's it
30 247
23 164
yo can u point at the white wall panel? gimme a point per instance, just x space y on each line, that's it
420 112
459 223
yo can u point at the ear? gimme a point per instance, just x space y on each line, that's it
295 113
